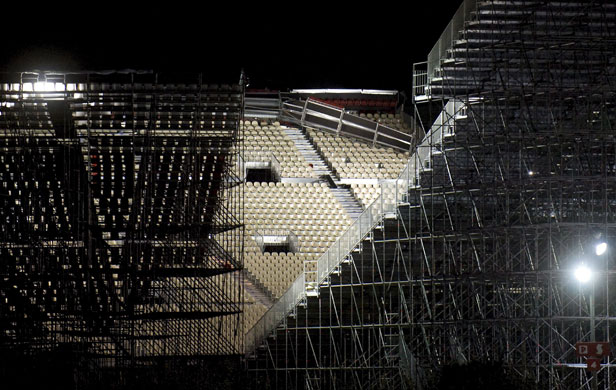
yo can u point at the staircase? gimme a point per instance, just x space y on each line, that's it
320 168
348 201
259 292
309 152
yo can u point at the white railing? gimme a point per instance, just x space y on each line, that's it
276 314
420 80
443 126
353 236
313 113
449 35
384 203
393 192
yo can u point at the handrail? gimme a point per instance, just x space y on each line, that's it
420 80
325 265
276 314
393 192
317 114
449 35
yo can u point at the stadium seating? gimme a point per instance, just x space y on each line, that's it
390 120
265 138
307 209
358 160
252 312
365 193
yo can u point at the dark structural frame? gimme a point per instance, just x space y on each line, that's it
509 191
120 243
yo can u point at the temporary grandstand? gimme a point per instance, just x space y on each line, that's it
468 254
120 258
173 231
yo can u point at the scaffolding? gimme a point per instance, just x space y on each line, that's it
511 188
120 255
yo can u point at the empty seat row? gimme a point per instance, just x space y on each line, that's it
353 159
270 139
309 210
368 193
389 120
252 313
256 123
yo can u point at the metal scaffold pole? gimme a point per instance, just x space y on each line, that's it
119 244
499 203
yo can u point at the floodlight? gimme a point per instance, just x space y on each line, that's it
583 273
600 248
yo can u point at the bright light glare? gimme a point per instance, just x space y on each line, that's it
583 273
601 248
43 86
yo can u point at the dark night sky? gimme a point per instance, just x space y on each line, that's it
308 45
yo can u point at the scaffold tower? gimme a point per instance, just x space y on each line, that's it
512 187
119 253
